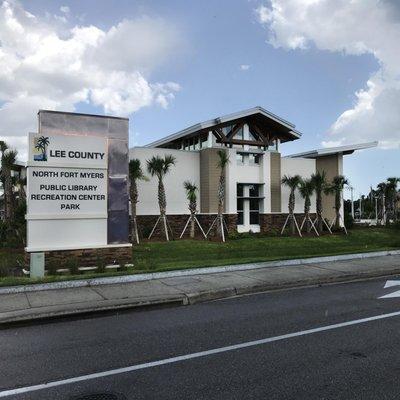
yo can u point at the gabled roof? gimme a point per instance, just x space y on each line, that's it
262 115
334 150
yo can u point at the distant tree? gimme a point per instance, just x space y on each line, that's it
292 182
159 167
135 174
392 195
8 159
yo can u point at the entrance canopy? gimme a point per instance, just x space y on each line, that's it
264 129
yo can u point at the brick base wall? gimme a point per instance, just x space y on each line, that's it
177 223
88 257
269 223
273 223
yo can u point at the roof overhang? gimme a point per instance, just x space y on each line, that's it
263 117
334 150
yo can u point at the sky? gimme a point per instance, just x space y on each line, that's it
331 67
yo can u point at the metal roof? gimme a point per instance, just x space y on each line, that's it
226 119
349 149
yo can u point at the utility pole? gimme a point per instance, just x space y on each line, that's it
376 209
360 205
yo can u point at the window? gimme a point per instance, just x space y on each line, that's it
254 159
252 136
239 134
254 190
254 211
240 190
240 158
240 207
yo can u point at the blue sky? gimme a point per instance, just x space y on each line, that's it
309 81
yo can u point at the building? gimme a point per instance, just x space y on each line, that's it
255 198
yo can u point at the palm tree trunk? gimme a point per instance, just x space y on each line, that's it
8 194
192 222
221 200
162 202
134 200
319 212
291 212
307 204
337 209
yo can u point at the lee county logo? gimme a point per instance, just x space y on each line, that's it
40 148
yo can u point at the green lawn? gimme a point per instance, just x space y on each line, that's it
181 254
189 254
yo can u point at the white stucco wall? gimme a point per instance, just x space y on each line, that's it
296 166
187 168
240 173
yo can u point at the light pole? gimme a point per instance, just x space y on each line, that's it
352 201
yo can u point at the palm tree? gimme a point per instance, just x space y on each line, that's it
3 149
292 182
306 189
392 194
382 190
135 174
191 190
336 188
8 159
320 186
159 167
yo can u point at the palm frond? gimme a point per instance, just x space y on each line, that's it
291 181
155 165
135 170
9 158
169 161
306 187
191 190
223 159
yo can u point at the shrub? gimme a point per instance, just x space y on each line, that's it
396 225
73 266
101 264
348 221
3 268
122 265
52 267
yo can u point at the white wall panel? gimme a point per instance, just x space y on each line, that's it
187 168
296 166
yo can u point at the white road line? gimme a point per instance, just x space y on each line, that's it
191 356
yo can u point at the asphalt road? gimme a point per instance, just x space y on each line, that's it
356 361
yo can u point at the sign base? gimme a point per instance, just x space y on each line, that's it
86 257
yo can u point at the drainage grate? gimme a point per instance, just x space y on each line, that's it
100 396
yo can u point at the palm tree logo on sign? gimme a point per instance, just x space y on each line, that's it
40 148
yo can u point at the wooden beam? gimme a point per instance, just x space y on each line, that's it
233 131
249 142
265 138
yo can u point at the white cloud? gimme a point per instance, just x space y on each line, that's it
350 27
244 67
44 65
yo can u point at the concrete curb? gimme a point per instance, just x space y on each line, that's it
50 312
189 272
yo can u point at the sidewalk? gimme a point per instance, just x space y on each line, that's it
182 290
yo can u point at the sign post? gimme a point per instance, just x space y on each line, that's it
68 199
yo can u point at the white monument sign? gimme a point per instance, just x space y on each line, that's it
67 192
